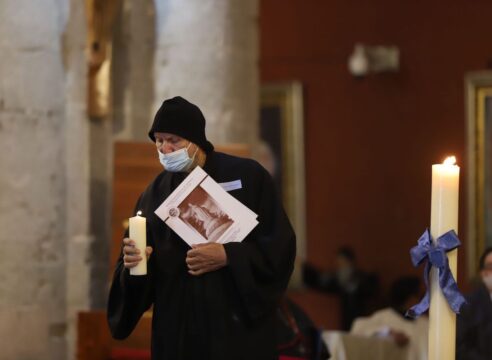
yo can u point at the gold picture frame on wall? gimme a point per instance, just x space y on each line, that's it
479 159
282 131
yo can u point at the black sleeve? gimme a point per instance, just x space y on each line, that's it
261 265
129 296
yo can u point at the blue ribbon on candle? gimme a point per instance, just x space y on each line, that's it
436 256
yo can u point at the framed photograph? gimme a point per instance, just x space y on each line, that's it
479 157
282 135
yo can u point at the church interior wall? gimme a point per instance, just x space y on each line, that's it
370 142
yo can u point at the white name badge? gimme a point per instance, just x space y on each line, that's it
231 185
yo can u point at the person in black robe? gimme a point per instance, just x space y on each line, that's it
474 323
212 301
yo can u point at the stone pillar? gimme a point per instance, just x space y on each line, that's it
32 180
207 52
133 73
79 242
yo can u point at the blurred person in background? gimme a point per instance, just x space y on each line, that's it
391 323
474 323
356 288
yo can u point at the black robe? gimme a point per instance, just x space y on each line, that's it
474 327
224 314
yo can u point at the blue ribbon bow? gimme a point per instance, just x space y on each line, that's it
436 256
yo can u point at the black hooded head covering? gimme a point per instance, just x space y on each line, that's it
180 117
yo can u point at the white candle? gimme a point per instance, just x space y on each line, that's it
444 217
138 233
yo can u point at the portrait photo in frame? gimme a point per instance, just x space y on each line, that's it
479 157
282 136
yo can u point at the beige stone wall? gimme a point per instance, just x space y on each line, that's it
133 75
32 179
207 52
204 50
79 239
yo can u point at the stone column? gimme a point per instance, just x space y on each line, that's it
207 52
133 75
79 242
36 212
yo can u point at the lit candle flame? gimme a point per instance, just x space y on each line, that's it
450 160
139 213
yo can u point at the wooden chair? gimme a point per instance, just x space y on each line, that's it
95 341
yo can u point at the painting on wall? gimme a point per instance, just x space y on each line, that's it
479 157
282 153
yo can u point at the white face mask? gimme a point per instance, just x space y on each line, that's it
487 279
178 160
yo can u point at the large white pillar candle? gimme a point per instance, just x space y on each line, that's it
444 217
138 233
